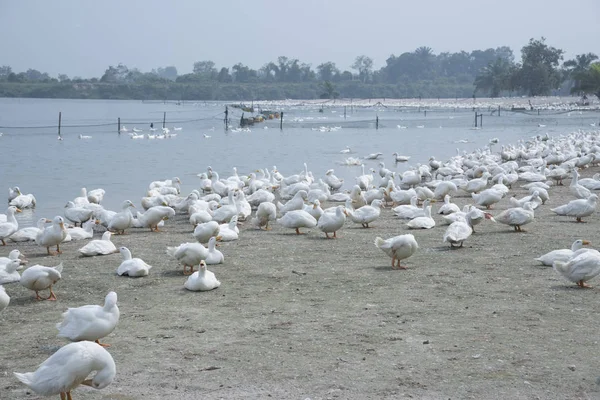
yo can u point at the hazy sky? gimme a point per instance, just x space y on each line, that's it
83 37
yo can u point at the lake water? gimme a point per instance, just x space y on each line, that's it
55 171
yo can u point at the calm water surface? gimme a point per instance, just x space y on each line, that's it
55 171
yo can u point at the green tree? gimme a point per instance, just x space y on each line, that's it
539 72
578 66
327 71
364 66
224 75
206 69
588 81
495 77
169 72
329 91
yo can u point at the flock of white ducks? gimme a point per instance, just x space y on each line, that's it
295 202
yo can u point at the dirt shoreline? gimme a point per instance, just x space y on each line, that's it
300 317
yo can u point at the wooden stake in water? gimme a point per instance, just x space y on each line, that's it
377 122
164 118
119 125
59 120
281 121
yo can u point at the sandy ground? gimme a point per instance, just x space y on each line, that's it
300 317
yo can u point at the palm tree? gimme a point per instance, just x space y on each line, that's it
495 77
578 66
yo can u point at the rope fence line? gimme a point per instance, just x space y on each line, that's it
180 121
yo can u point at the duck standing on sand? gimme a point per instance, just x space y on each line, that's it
398 248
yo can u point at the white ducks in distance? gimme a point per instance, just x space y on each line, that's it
69 367
132 267
39 277
90 322
398 248
202 280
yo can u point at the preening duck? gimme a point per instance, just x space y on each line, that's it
398 248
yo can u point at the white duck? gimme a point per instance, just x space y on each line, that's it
85 232
188 254
487 198
123 219
398 248
202 280
400 158
10 226
96 196
295 203
99 247
580 268
69 367
23 201
333 181
229 232
408 211
77 215
214 255
90 322
332 222
13 255
52 235
297 219
39 277
4 298
265 212
517 216
154 216
225 212
133 267
82 200
562 254
9 272
458 231
578 208
13 192
534 199
366 214
314 209
424 222
448 207
204 231
577 190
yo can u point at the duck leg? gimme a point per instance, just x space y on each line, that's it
69 395
102 344
582 284
3 242
58 250
298 232
37 296
335 234
52 296
63 396
400 266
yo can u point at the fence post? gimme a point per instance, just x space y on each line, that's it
164 118
59 121
226 116
475 119
377 122
481 120
281 121
344 112
119 125
498 110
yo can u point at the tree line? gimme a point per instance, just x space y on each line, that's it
420 73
